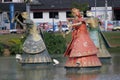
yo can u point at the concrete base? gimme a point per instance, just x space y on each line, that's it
82 69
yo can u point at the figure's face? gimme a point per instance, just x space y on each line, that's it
89 13
75 12
25 15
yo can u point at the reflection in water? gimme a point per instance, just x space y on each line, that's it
38 74
52 73
105 68
87 76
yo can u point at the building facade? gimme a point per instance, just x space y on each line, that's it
53 11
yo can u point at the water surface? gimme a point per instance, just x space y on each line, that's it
11 70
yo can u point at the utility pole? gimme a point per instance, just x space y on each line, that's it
2 1
53 22
95 8
53 16
11 8
106 15
28 7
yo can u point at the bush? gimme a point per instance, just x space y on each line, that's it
1 48
16 47
55 43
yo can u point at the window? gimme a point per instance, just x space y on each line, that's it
53 14
37 15
68 14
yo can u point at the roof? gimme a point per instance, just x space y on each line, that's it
18 7
66 4
46 5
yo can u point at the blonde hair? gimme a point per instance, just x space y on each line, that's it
74 10
89 13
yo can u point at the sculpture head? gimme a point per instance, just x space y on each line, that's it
24 15
89 14
76 12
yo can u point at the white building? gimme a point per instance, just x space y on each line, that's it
53 11
16 1
49 17
100 12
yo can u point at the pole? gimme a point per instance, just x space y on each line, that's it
52 6
28 9
53 22
2 1
95 8
11 15
106 21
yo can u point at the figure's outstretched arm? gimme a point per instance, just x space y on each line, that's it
69 24
16 19
76 24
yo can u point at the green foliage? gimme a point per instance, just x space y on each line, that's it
15 41
1 48
55 43
16 48
82 7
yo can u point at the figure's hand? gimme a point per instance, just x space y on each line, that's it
77 24
69 25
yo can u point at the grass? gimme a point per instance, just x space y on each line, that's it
113 38
4 39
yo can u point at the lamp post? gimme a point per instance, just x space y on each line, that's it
28 7
106 21
53 22
11 7
2 1
95 8
52 6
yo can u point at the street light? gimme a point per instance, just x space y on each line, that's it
106 9
52 6
11 7
95 8
54 17
53 22
28 6
106 21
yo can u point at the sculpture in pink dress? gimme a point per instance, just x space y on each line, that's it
81 51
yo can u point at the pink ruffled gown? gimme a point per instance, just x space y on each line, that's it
81 51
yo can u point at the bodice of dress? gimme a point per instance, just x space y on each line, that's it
79 29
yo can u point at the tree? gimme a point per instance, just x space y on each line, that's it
82 7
